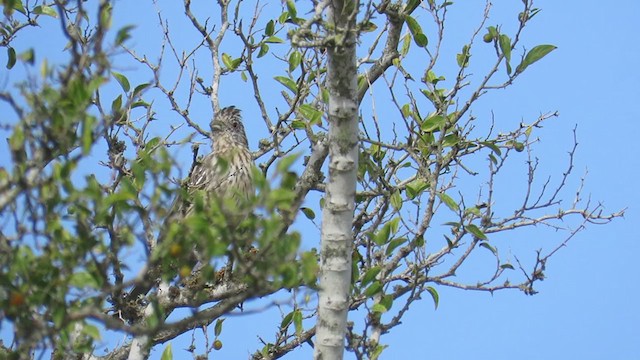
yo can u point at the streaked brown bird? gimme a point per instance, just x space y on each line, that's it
223 174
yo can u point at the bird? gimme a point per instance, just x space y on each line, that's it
225 174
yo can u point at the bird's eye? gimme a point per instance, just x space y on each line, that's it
235 124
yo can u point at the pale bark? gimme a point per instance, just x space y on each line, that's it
337 238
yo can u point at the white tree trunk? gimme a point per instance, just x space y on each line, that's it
337 238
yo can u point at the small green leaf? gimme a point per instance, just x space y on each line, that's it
475 231
116 104
379 308
463 57
416 31
138 89
534 55
396 200
91 331
434 295
264 48
288 83
124 34
294 60
373 289
273 40
286 320
507 266
406 45
87 134
411 5
218 327
492 146
11 54
269 30
311 113
448 200
167 354
45 10
28 56
124 82
227 61
83 280
308 213
370 275
486 245
368 27
297 322
393 244
291 8
433 123
505 46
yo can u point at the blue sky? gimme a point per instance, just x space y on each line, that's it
587 306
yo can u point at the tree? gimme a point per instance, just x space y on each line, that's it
96 160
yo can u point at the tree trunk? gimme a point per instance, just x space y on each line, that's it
337 238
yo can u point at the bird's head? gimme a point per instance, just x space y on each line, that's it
227 126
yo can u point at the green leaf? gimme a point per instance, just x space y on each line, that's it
11 54
264 48
415 188
218 327
227 61
308 213
416 31
116 104
368 27
505 46
285 163
83 280
288 83
406 45
492 146
463 57
123 34
273 40
534 55
269 30
294 60
421 39
124 82
411 5
486 245
373 289
167 354
87 134
475 231
434 295
138 89
370 275
286 320
396 200
447 200
311 113
433 123
507 266
393 244
28 56
291 8
297 322
379 308
91 331
45 10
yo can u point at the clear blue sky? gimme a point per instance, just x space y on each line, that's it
587 308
